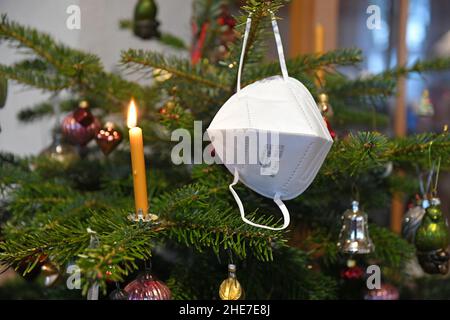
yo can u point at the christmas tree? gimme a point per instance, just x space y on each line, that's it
70 207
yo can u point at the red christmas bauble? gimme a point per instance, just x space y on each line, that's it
147 287
225 18
78 134
352 273
108 138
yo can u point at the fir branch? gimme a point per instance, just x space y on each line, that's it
195 218
308 63
373 87
34 78
390 249
346 115
140 59
79 71
366 151
166 38
269 281
261 14
172 41
70 62
36 112
420 66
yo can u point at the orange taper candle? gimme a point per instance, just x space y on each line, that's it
319 47
137 161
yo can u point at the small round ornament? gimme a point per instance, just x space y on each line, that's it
386 292
230 288
226 34
110 272
51 274
225 18
108 138
352 271
147 287
78 134
169 111
3 91
145 25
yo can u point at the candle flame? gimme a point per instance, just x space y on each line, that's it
132 114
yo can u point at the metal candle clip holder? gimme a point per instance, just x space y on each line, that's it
139 217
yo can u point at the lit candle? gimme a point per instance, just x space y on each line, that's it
137 162
319 46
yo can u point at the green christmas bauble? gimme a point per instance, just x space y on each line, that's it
432 238
145 25
3 91
433 233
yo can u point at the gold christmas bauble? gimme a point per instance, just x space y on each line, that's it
230 288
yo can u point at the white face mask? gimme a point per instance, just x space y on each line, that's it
271 136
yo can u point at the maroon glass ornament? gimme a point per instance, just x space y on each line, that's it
78 134
108 138
147 287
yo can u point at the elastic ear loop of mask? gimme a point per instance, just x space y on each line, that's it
279 44
276 199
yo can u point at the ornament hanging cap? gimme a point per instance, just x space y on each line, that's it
83 104
355 206
435 201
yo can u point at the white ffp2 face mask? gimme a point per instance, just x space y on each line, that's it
271 136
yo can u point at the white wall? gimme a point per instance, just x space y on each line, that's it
99 34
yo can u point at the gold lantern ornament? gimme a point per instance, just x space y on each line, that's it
230 288
354 236
324 105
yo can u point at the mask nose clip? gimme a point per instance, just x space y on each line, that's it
276 199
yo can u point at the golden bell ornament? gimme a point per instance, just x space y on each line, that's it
354 237
230 288
324 105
